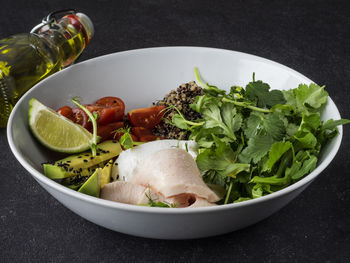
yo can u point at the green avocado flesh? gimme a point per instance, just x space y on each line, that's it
91 186
105 174
83 164
76 181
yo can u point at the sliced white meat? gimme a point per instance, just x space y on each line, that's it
172 172
200 202
134 194
128 193
188 200
128 160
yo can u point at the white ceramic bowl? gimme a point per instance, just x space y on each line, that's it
140 77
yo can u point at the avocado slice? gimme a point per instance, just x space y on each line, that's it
58 172
91 186
81 164
105 174
76 181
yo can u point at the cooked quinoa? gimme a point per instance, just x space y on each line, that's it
181 98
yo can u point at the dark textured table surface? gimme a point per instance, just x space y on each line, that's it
311 37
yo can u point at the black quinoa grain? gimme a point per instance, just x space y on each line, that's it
181 98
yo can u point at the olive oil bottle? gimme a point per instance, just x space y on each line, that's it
25 59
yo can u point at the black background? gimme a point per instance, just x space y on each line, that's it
311 37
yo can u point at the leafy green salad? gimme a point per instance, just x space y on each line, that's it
255 141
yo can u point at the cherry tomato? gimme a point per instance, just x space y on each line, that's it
106 114
80 117
67 112
107 132
146 117
111 101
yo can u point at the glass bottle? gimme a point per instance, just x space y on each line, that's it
25 59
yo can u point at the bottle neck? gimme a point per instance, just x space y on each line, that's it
68 36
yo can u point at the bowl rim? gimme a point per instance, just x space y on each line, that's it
42 179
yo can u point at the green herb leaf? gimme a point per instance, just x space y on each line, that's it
271 124
212 117
230 117
276 152
307 99
308 166
310 122
259 91
258 146
126 141
222 159
332 124
306 139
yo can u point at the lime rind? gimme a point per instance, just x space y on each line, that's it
55 131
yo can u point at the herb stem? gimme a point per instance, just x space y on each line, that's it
242 104
228 193
93 145
182 117
194 123
196 73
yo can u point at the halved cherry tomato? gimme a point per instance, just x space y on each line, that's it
145 135
146 117
111 101
107 132
67 112
106 114
80 117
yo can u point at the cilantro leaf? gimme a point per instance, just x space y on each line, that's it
269 123
212 117
259 91
291 129
201 101
230 117
310 122
222 159
307 99
274 126
253 125
258 146
179 122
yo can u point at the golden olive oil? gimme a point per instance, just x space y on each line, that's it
25 59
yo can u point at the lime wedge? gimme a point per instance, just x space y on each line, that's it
56 131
